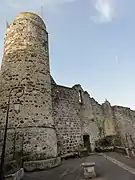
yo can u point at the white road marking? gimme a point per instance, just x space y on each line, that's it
122 165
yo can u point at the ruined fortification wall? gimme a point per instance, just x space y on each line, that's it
26 62
76 114
66 111
88 125
98 117
109 121
125 120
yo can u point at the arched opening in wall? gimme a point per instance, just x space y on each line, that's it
86 141
80 96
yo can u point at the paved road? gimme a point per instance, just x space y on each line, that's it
128 161
72 170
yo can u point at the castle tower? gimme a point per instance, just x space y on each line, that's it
26 62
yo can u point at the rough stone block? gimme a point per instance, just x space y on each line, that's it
89 170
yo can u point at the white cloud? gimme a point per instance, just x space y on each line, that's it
105 11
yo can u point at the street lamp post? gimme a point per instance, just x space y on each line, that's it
17 109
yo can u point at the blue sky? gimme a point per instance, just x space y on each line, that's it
92 43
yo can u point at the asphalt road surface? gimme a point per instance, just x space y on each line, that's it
72 170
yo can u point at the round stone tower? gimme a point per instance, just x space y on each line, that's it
26 63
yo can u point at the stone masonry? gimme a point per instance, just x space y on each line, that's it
66 110
26 63
53 119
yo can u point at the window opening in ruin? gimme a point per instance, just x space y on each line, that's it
86 141
92 119
80 96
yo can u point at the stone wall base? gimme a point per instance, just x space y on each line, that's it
16 176
120 149
41 164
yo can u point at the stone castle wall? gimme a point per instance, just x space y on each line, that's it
66 110
125 124
53 119
93 119
88 123
26 62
